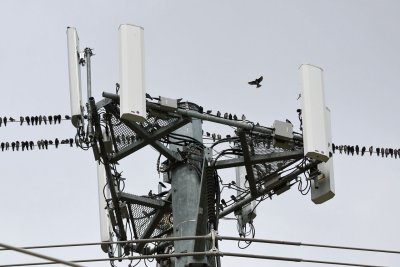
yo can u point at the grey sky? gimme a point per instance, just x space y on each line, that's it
205 52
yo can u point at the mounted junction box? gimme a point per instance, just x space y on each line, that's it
283 134
168 104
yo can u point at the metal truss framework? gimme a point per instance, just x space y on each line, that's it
260 158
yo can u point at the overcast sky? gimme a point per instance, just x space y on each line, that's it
206 52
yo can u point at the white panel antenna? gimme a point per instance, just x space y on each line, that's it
323 188
315 140
248 212
74 77
103 191
132 83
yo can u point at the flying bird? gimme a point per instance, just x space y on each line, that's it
257 82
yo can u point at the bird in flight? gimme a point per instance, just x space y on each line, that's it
257 82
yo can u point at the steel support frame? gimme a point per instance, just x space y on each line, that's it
275 156
148 139
247 163
268 186
153 223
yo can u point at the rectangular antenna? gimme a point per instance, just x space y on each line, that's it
132 87
315 134
324 188
248 212
103 192
74 77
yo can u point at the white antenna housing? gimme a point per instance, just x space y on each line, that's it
132 86
315 134
324 188
74 76
103 191
248 212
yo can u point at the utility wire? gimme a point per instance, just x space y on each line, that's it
256 240
206 253
53 260
291 243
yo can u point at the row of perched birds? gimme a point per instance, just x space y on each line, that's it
35 120
379 151
30 145
226 115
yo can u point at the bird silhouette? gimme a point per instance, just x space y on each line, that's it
218 113
28 120
1 120
230 116
36 120
363 149
357 149
257 82
12 119
56 142
45 119
13 146
7 145
378 150
371 150
2 146
40 119
50 119
21 120
67 117
17 145
5 121
243 117
235 117
33 120
382 152
226 115
223 202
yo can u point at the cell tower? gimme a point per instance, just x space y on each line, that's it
183 221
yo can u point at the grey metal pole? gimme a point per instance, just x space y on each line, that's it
185 182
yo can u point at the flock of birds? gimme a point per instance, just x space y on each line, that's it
34 120
379 151
30 145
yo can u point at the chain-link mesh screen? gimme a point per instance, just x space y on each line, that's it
123 136
263 145
143 215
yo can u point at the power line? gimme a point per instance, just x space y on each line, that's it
256 240
38 255
206 253
291 243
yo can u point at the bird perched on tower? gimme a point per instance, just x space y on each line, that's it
257 82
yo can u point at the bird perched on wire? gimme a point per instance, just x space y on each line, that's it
257 82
